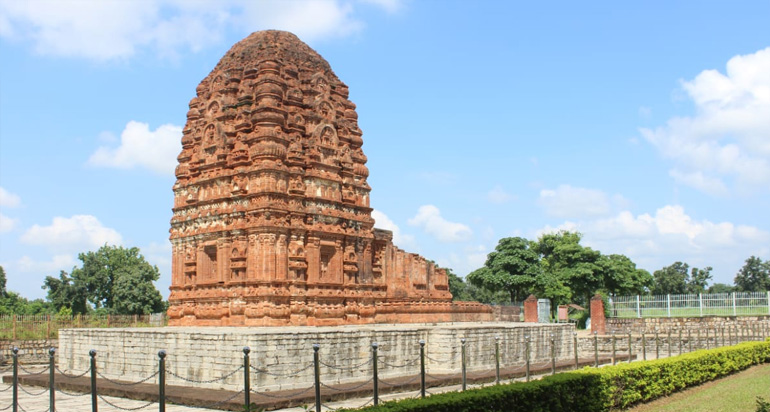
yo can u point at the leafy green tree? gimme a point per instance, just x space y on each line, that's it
113 279
3 281
721 288
671 280
66 292
621 276
754 276
699 279
467 292
512 268
11 303
566 264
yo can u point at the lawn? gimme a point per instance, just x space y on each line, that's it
733 393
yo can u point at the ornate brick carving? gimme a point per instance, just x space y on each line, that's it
271 221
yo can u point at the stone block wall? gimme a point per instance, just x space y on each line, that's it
649 325
30 351
506 313
286 354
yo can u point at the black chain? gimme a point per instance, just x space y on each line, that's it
414 378
410 363
347 368
280 375
9 387
73 376
32 373
30 393
215 404
347 389
127 384
125 409
7 407
221 378
304 391
73 394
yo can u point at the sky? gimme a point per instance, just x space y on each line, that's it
644 125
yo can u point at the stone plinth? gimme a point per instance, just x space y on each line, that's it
530 309
271 220
207 353
598 319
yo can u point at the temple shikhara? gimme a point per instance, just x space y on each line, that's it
271 221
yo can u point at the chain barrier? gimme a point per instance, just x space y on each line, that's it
125 409
346 368
32 394
352 388
23 369
280 375
218 403
127 384
414 378
7 407
410 363
221 378
9 387
66 375
266 394
353 407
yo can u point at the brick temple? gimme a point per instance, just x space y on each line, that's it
271 221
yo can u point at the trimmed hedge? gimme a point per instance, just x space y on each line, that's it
590 389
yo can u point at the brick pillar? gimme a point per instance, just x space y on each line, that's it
530 309
597 315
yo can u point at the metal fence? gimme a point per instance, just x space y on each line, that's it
27 327
695 305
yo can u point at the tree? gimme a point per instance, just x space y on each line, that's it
754 276
3 281
11 303
466 292
699 279
621 277
115 278
66 292
721 288
671 280
512 267
567 264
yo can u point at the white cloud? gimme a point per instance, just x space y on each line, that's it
727 142
75 234
401 240
53 266
107 30
672 235
139 147
430 220
7 223
8 199
498 195
576 202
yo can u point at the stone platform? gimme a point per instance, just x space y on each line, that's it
282 358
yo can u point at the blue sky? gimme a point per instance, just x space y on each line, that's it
643 125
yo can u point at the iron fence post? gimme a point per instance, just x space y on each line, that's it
668 342
94 402
644 347
162 381
680 341
422 368
51 383
613 348
553 355
596 349
497 360
246 379
708 346
689 341
630 353
657 345
723 336
15 379
317 369
575 349
375 379
526 355
462 341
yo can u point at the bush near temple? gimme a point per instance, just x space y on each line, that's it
604 389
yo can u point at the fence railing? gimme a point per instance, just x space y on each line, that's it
28 327
249 396
694 305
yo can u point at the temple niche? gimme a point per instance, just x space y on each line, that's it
271 221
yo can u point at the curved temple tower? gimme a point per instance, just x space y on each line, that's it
271 223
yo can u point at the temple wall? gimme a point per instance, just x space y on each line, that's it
206 353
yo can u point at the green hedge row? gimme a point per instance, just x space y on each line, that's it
590 389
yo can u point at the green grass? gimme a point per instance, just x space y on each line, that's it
688 312
736 393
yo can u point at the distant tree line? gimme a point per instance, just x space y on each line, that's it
557 267
112 280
